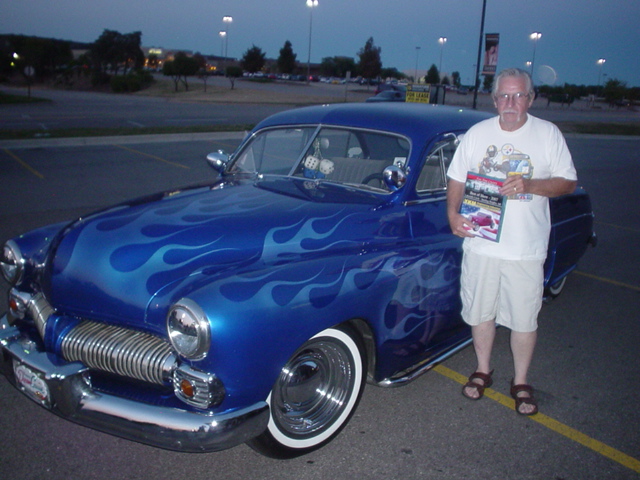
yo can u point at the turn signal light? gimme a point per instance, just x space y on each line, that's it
187 389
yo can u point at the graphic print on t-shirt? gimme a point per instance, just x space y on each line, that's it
504 162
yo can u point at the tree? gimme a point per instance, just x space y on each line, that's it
46 56
253 60
487 82
113 50
433 76
455 76
614 91
287 59
233 72
337 66
132 54
181 67
370 64
392 73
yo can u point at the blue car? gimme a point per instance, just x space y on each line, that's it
255 307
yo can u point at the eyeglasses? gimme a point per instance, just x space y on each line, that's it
516 97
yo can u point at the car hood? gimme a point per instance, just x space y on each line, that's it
110 264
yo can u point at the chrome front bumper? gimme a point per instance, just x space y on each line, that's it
66 391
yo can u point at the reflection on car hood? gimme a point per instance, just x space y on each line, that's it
110 264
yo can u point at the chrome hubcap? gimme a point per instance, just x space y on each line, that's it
313 388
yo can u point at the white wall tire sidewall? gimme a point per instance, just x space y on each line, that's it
293 443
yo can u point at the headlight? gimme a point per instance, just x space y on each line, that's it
11 262
188 329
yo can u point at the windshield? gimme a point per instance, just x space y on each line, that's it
351 156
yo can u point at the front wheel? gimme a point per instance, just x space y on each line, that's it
315 394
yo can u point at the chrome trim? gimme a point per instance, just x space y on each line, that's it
73 398
421 368
36 306
201 326
208 391
433 196
118 350
40 310
11 249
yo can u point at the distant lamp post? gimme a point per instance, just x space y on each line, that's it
311 4
535 36
223 37
441 41
600 63
415 76
227 19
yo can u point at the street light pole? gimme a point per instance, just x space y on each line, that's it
223 36
535 36
311 4
441 41
475 90
600 63
415 76
227 19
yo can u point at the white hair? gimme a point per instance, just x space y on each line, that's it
514 72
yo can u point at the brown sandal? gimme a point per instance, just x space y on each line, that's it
527 400
487 381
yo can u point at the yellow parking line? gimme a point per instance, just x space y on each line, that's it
631 229
608 280
179 165
23 163
572 434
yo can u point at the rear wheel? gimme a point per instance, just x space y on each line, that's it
315 394
552 291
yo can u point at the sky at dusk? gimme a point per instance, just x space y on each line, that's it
575 34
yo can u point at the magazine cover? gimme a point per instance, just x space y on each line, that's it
483 205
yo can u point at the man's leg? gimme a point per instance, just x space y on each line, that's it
522 346
483 336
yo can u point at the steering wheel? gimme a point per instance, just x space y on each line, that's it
372 177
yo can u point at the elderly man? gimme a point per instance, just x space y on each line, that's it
502 282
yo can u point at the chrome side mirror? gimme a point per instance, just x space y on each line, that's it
218 160
394 177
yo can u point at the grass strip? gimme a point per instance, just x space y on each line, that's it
7 99
107 132
628 129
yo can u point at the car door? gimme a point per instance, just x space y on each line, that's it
427 303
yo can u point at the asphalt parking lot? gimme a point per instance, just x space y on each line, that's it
586 370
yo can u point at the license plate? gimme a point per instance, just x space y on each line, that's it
32 384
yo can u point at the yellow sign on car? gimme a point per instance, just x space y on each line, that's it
418 93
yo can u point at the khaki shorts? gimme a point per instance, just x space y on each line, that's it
509 291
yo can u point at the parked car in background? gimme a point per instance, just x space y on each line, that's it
388 96
382 87
255 307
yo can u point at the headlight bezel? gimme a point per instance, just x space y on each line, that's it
12 263
188 329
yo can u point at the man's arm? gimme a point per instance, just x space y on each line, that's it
546 187
455 194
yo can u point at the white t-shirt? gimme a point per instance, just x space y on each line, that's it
538 150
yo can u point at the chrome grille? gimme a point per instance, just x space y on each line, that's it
121 351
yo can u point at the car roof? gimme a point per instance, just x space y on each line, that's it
415 120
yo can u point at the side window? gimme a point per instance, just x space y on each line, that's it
354 157
433 175
273 151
